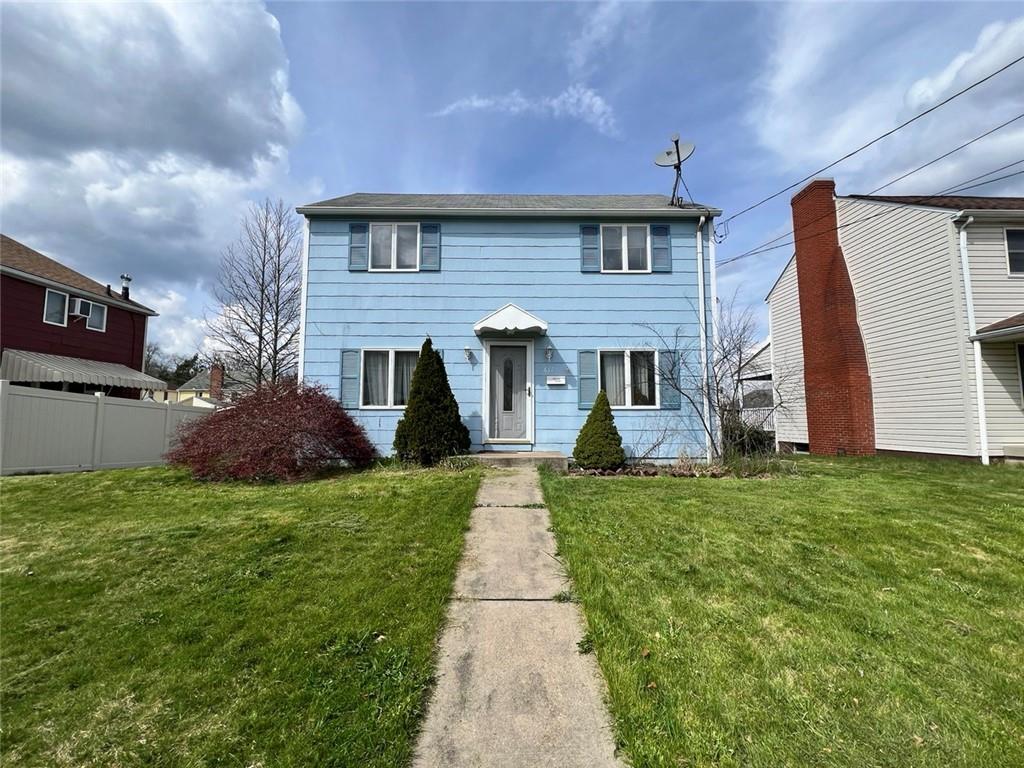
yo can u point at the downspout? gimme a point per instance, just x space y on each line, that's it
302 301
972 328
702 318
714 326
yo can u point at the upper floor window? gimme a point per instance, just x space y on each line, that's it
95 314
387 377
1015 251
625 248
55 308
629 377
394 247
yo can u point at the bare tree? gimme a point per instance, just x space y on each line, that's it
256 326
709 380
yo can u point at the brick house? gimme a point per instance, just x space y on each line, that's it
62 330
898 325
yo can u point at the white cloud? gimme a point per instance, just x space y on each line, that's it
134 136
576 102
603 26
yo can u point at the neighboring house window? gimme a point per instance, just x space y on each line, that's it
55 309
630 378
625 248
1015 251
387 377
394 247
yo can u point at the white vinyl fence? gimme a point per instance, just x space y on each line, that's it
46 431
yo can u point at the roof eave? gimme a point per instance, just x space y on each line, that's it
991 214
520 213
106 299
1008 333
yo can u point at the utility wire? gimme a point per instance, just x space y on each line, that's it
921 167
895 205
877 139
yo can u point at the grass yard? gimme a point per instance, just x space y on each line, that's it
861 613
152 620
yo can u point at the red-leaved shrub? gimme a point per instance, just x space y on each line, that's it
281 432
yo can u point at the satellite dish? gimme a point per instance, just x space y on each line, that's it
674 155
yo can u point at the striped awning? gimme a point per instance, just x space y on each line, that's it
19 365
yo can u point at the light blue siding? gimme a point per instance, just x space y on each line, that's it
485 265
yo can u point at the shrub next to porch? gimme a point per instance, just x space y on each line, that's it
431 428
599 445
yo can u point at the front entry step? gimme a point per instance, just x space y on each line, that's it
554 459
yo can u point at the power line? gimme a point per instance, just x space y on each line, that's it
955 188
877 139
921 167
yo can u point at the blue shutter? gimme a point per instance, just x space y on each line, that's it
586 378
349 378
358 247
668 368
430 247
590 248
661 249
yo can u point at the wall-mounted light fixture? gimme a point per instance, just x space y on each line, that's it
549 352
468 352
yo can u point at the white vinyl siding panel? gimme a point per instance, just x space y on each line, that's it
904 267
997 294
1003 409
787 353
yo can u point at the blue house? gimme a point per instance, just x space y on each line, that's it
535 301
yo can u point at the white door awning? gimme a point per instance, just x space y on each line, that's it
20 365
511 319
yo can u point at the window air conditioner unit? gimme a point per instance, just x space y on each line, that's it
80 308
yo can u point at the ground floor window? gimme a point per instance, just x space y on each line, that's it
629 377
387 377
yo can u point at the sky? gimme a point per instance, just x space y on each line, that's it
134 136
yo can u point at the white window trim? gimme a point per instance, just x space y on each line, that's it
67 306
394 247
1006 246
629 380
625 252
391 376
106 309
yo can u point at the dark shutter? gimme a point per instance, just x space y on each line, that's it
586 378
430 247
668 369
358 247
661 248
349 378
590 248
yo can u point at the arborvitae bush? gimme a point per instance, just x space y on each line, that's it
278 432
431 428
599 445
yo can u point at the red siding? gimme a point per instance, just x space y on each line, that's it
837 383
22 327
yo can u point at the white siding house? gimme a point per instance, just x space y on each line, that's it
929 301
787 350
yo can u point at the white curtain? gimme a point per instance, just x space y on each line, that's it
641 366
375 378
613 376
405 362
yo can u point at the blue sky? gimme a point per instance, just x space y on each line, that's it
143 156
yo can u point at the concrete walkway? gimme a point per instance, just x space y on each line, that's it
512 688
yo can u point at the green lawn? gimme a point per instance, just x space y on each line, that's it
861 613
152 620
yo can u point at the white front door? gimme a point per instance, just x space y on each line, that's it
510 395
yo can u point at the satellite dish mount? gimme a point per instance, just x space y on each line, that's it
673 157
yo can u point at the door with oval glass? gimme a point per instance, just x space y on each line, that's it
509 393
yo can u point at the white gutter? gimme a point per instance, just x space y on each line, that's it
702 318
670 212
302 301
714 318
979 382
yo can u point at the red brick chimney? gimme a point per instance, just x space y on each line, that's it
217 381
837 383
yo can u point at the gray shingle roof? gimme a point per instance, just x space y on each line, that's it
386 203
952 202
233 380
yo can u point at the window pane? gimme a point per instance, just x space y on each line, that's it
97 317
641 371
636 248
375 378
507 374
407 236
613 376
55 305
611 248
405 364
380 246
1015 247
